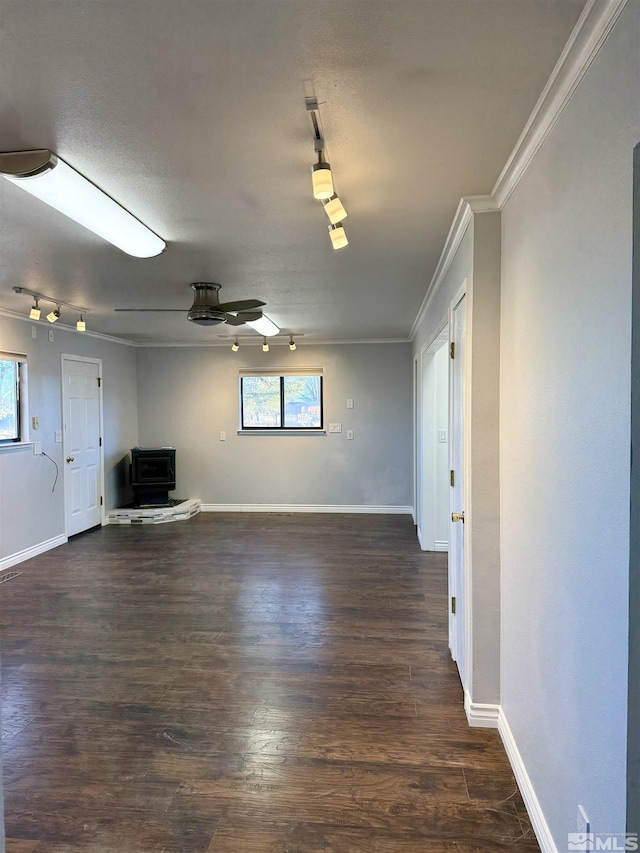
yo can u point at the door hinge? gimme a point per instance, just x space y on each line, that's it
452 478
100 445
101 499
99 382
453 604
452 350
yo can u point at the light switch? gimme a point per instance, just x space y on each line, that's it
37 448
223 435
57 436
335 427
50 336
442 436
34 332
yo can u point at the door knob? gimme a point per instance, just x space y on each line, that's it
71 458
457 516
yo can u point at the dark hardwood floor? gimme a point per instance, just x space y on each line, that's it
254 683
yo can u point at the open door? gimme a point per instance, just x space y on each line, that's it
457 539
82 444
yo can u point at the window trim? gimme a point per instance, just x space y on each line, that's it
20 359
282 429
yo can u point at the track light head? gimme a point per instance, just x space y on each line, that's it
322 180
81 326
334 209
54 316
35 312
235 346
338 236
292 343
265 345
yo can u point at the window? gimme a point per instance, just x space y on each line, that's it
281 400
10 408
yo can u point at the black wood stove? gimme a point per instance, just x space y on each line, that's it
152 475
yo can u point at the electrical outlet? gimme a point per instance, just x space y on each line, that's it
223 435
37 448
35 423
349 434
50 336
335 427
349 404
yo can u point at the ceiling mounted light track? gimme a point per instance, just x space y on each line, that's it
53 316
322 178
44 175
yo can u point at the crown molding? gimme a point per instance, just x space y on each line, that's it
594 25
467 207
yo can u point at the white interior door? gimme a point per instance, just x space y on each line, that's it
81 447
456 448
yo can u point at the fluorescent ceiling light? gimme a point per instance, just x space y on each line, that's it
43 174
264 326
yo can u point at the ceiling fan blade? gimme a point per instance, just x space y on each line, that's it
164 310
238 320
241 305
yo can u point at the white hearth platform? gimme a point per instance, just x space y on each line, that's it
155 515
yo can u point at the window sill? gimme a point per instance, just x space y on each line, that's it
16 445
282 432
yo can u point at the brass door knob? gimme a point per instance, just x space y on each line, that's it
71 458
457 516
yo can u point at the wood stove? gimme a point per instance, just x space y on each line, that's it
152 474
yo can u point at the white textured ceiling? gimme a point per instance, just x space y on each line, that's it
191 114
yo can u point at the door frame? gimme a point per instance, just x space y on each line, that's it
428 440
465 291
82 358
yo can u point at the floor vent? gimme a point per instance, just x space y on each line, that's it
8 576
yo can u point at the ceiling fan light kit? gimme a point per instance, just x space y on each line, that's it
46 176
323 188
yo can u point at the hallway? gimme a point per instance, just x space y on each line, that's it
244 683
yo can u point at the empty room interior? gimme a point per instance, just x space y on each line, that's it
319 529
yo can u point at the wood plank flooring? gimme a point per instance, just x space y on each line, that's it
244 683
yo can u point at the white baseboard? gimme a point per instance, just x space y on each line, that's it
28 553
338 508
440 546
480 715
536 815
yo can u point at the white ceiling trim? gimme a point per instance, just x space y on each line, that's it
594 25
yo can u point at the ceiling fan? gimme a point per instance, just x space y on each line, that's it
207 310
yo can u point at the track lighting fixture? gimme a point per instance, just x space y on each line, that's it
265 345
235 346
292 343
334 209
338 236
53 316
43 174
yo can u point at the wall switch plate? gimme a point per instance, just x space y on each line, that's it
349 403
35 422
34 332
37 448
50 336
223 435
335 427
57 436
442 436
582 822
349 433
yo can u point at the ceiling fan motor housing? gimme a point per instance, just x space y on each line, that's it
204 311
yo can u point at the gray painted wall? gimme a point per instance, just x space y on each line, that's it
566 335
29 512
187 395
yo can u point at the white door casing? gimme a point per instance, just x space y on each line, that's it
82 451
457 537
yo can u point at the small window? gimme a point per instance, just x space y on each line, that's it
288 402
10 419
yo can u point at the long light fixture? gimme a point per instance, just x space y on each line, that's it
43 174
323 187
264 326
56 313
